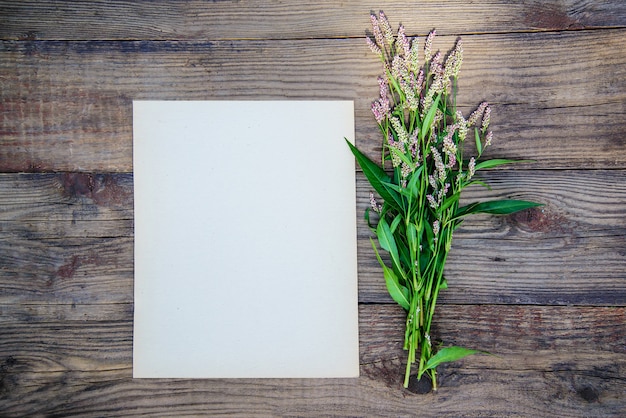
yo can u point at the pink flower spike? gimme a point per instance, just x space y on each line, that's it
488 138
379 110
376 207
428 45
383 87
414 55
373 47
432 182
471 168
431 201
419 84
473 119
378 36
451 160
486 119
404 42
441 169
386 28
458 50
436 64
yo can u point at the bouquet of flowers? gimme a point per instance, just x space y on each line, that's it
422 174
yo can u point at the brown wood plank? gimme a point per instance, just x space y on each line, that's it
263 19
471 393
69 238
67 106
101 271
570 250
564 361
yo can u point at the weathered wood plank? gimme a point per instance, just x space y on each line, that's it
559 271
499 329
102 333
67 106
263 19
470 393
49 200
69 238
97 270
570 250
565 361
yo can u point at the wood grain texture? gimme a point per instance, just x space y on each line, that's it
67 106
76 359
273 19
68 237
544 290
570 251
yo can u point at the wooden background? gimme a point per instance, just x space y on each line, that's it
545 289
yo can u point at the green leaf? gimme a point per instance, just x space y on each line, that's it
479 144
366 216
430 237
400 190
394 224
395 84
385 237
377 178
411 235
448 354
430 116
387 242
480 182
496 162
380 260
449 201
397 292
403 157
412 185
496 207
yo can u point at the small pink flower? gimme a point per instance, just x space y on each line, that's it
432 202
373 47
428 45
486 118
403 135
462 123
376 207
378 35
476 114
386 28
441 169
406 170
488 138
432 182
379 111
414 55
404 42
414 145
471 168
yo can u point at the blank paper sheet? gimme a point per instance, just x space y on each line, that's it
245 239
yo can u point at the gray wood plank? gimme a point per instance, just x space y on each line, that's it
263 19
76 359
67 106
69 242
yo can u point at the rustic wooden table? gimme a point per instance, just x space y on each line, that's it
545 289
